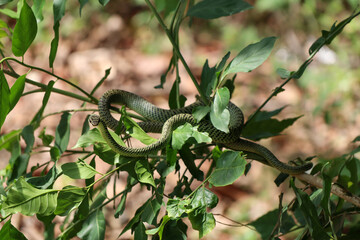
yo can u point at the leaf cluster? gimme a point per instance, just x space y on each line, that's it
317 214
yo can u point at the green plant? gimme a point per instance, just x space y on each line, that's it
318 214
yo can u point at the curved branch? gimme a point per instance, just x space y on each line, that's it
335 189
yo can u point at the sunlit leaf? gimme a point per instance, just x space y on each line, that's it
90 137
251 56
24 198
204 198
78 170
24 31
142 170
219 114
181 134
6 140
37 9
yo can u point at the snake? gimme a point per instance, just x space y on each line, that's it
165 121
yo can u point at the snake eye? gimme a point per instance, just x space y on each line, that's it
94 120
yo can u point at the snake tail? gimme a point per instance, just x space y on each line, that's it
252 147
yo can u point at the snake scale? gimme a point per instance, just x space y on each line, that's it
165 121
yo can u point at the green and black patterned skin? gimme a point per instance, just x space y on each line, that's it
165 121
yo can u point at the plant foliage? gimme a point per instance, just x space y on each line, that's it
319 213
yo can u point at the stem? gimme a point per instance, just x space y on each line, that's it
335 189
49 73
304 65
176 50
62 92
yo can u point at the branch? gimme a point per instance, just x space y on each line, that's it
335 189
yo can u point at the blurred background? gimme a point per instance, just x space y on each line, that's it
125 37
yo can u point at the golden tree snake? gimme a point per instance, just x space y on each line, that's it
165 121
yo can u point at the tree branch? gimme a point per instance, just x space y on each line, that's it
335 189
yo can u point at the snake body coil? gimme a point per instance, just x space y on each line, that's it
165 121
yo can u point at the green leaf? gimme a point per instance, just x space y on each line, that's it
69 198
8 231
37 9
43 182
189 160
181 134
10 13
283 73
139 233
136 131
28 135
82 4
159 230
3 2
134 221
309 212
177 207
229 167
58 9
89 138
93 227
265 224
208 79
203 222
151 211
263 126
55 153
17 90
24 198
4 98
222 63
46 138
301 69
251 56
219 114
62 134
7 140
37 118
54 44
104 2
142 170
121 207
24 31
210 9
105 153
78 170
200 112
175 99
175 229
328 36
204 198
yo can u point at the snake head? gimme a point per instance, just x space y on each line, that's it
94 120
